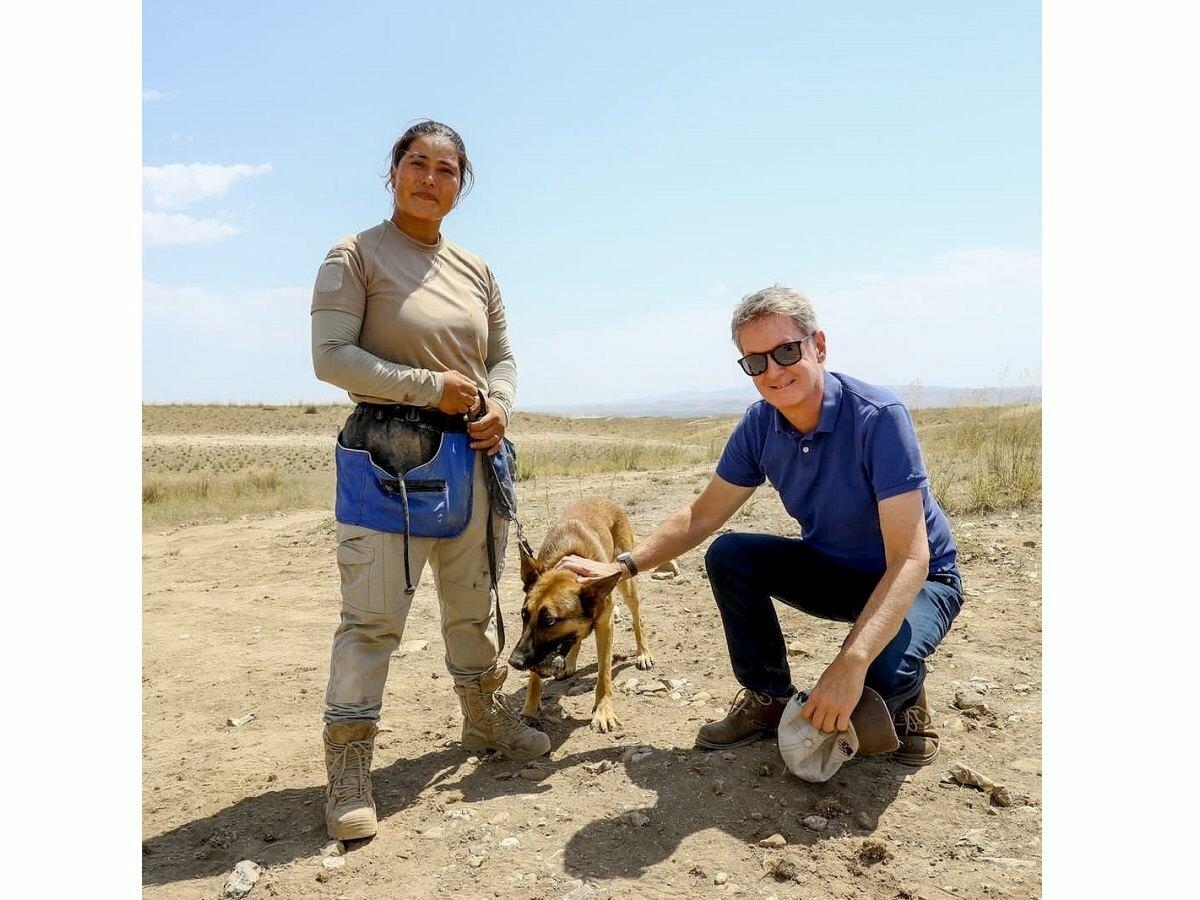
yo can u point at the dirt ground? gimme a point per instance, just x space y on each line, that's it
238 619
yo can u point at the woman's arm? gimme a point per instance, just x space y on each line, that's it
338 360
500 363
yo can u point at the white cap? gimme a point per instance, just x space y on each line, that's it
809 753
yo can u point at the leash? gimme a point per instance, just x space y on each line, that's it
523 542
491 548
493 569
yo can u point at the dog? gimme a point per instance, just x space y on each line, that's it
560 611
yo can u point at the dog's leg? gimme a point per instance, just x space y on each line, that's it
572 656
533 698
603 717
629 592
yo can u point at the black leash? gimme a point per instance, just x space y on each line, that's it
491 547
526 548
493 569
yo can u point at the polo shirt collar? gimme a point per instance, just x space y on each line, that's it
831 402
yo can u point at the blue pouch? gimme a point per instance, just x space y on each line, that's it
432 500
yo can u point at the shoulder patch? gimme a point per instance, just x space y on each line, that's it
329 278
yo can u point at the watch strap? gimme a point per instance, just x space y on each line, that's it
626 559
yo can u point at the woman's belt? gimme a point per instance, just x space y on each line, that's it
430 416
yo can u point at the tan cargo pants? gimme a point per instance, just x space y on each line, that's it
375 606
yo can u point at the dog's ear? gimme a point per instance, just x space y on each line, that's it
531 569
592 592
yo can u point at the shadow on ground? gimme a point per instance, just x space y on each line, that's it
277 827
744 797
696 790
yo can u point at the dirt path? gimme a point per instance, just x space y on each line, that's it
238 618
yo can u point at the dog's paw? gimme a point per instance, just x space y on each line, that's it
644 660
531 721
604 719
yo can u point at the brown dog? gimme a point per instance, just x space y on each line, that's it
560 611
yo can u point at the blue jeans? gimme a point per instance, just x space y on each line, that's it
747 571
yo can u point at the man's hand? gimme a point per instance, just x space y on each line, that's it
459 393
590 568
487 431
837 692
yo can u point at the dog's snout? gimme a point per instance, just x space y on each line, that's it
518 659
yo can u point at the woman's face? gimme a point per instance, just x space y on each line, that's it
427 180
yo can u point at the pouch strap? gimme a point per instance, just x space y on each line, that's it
408 585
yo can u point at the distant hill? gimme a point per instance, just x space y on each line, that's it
732 401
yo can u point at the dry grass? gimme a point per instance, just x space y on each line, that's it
983 459
214 463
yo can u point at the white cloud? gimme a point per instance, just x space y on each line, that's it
150 96
176 229
177 185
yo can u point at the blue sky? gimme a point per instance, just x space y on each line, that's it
639 168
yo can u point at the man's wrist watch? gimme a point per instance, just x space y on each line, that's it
626 559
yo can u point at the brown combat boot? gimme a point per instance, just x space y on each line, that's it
490 725
349 806
914 728
751 716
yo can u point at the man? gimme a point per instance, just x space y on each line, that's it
876 547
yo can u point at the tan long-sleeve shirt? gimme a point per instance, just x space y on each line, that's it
389 314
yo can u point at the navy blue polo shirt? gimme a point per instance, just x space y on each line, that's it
863 450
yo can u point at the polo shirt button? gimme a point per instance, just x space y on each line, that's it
804 449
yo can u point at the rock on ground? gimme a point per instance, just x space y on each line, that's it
245 876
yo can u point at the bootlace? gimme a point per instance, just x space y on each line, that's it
744 699
504 713
914 720
350 785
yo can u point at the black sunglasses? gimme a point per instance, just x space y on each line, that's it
785 354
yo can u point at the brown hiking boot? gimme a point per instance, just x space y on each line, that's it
349 806
490 725
918 740
751 716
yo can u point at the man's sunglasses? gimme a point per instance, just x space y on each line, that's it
785 354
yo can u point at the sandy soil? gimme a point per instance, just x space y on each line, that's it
238 619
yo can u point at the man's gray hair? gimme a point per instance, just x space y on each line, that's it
775 300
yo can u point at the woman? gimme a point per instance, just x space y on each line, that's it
413 327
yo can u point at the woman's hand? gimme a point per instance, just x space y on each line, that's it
487 431
459 393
